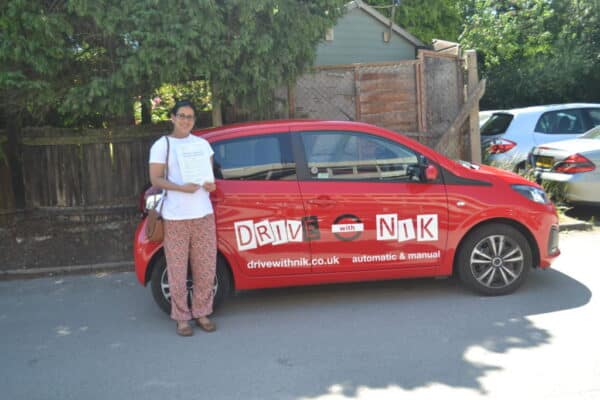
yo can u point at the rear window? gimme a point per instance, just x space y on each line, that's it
497 124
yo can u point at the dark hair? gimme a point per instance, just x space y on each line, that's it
182 103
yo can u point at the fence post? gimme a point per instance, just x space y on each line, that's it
421 95
472 81
14 154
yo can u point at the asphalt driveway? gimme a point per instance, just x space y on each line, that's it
102 337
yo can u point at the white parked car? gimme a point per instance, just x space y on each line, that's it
574 163
509 135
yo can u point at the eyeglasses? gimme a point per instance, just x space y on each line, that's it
185 116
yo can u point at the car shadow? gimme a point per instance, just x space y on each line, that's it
585 213
408 333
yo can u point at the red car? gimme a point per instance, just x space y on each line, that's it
315 202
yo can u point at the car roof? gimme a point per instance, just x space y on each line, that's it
266 127
549 107
287 123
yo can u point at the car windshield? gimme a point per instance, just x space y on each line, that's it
593 133
497 124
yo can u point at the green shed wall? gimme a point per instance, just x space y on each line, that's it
358 38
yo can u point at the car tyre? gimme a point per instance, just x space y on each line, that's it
494 259
159 284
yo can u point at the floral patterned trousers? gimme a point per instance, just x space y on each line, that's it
191 241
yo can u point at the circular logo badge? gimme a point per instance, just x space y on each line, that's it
347 227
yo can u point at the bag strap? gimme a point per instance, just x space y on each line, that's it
166 176
167 162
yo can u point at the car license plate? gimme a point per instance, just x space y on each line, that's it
544 162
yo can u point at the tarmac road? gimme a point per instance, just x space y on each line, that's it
101 337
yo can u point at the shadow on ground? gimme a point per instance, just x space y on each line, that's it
103 335
407 334
589 214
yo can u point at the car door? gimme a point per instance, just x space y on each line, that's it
365 205
258 208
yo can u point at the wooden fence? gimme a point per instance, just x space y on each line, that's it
70 171
420 98
81 194
7 198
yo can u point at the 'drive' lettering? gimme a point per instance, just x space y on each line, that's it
264 233
244 235
250 235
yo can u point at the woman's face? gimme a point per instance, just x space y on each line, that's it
184 120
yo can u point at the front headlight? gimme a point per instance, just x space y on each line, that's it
532 193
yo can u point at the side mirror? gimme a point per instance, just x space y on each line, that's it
423 171
431 173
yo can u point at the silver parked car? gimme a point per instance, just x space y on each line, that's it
574 163
508 136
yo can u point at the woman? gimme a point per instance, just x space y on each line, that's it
188 221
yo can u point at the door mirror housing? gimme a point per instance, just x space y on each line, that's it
431 173
424 172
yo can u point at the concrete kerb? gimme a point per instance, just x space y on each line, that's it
124 266
572 224
579 226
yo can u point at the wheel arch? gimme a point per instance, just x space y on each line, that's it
535 251
221 256
152 264
161 252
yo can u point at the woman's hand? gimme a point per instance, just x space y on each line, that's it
209 186
189 187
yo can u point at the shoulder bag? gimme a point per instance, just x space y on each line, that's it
155 230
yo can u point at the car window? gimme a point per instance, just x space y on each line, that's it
561 122
594 114
255 158
339 155
497 124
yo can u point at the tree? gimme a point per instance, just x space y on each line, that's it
90 59
262 45
425 19
535 51
129 48
35 57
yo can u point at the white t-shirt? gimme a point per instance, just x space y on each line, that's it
180 205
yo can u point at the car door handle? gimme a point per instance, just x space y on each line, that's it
322 202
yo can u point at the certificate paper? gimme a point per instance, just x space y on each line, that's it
194 163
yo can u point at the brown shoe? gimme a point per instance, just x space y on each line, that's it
184 329
206 324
